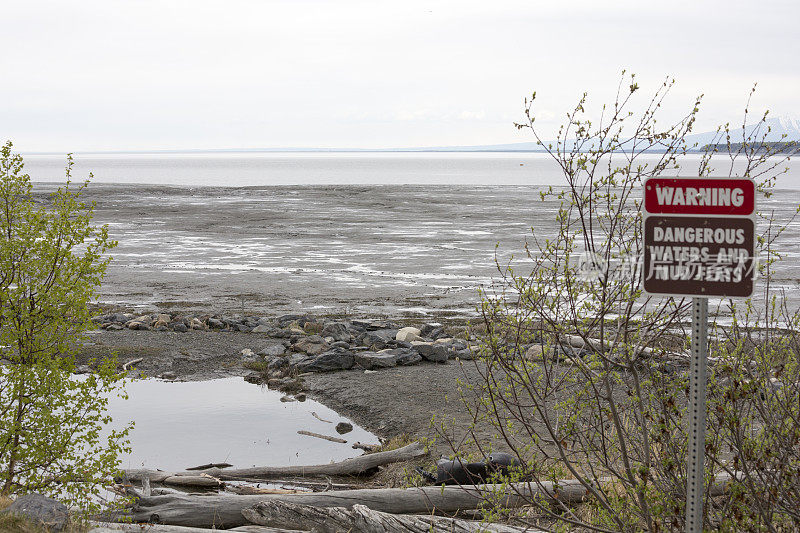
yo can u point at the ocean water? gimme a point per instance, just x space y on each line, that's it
362 234
237 169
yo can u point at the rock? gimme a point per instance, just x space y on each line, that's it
336 359
371 340
312 345
275 362
272 349
215 323
294 330
340 344
48 512
436 334
437 353
135 324
286 399
244 328
169 376
279 333
425 331
300 397
312 328
180 327
372 360
536 352
408 334
261 328
336 330
82 369
285 320
114 327
254 377
196 323
405 356
344 427
465 354
248 356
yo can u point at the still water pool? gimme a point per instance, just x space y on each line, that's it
184 424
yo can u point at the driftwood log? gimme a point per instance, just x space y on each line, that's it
321 436
113 527
362 519
225 510
348 467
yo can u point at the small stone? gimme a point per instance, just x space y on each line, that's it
48 512
286 399
114 327
180 327
344 427
196 323
261 328
243 328
169 376
301 397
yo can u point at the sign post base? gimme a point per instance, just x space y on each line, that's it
697 417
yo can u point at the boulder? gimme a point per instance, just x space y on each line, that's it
312 345
180 327
285 320
272 349
341 344
537 352
408 334
337 331
426 329
248 356
371 340
405 356
196 323
336 359
244 328
437 353
276 362
344 427
372 360
42 510
312 328
215 323
114 327
261 328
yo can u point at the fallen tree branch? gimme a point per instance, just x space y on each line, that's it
276 513
132 362
348 467
315 415
321 436
210 465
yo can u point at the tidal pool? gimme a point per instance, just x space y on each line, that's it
185 424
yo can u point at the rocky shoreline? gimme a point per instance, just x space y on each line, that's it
296 344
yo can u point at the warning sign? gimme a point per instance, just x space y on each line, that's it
699 237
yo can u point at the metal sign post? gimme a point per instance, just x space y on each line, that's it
697 417
699 241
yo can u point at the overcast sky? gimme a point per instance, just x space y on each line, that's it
106 75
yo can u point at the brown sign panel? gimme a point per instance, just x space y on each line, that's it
699 256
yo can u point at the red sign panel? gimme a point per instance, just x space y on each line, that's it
699 196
